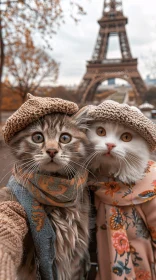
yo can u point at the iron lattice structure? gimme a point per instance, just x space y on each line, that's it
99 69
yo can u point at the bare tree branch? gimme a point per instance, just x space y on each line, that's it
28 67
35 16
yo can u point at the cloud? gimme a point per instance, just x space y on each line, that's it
74 44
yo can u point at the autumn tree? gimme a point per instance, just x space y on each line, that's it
37 16
61 92
150 95
28 66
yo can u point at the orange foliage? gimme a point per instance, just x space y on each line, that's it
11 100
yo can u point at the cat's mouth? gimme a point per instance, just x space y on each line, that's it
53 162
108 154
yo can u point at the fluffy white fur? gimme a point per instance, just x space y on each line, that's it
127 160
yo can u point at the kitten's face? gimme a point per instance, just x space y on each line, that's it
119 150
53 144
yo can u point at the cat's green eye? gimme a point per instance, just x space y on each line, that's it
38 137
101 131
65 138
126 137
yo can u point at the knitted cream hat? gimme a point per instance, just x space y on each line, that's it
34 108
126 115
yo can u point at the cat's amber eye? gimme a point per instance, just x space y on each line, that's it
101 131
126 137
65 138
38 137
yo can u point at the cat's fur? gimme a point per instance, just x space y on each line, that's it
71 224
126 160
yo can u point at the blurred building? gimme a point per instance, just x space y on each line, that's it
146 108
149 81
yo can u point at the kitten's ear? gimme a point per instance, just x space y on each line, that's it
81 117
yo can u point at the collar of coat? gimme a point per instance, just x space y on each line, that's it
115 192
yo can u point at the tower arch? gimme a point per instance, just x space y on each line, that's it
113 22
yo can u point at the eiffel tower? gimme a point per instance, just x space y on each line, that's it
99 69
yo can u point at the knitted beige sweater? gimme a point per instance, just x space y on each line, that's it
13 229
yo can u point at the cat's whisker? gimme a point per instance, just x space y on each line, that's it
134 158
76 173
71 170
33 170
24 165
14 162
118 153
83 166
134 171
118 172
91 157
10 171
28 170
66 171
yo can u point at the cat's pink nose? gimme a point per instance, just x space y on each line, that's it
110 146
52 152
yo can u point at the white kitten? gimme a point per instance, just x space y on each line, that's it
119 151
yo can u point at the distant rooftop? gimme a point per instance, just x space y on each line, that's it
146 106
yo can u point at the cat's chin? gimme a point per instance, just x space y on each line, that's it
111 165
51 168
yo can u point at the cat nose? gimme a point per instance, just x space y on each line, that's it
52 152
110 146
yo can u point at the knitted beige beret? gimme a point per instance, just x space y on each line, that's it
126 115
34 108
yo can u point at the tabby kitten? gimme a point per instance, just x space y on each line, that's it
57 145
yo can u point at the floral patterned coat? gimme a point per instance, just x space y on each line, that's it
126 228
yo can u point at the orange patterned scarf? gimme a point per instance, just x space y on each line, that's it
126 227
51 191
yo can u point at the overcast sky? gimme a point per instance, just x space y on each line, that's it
74 44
